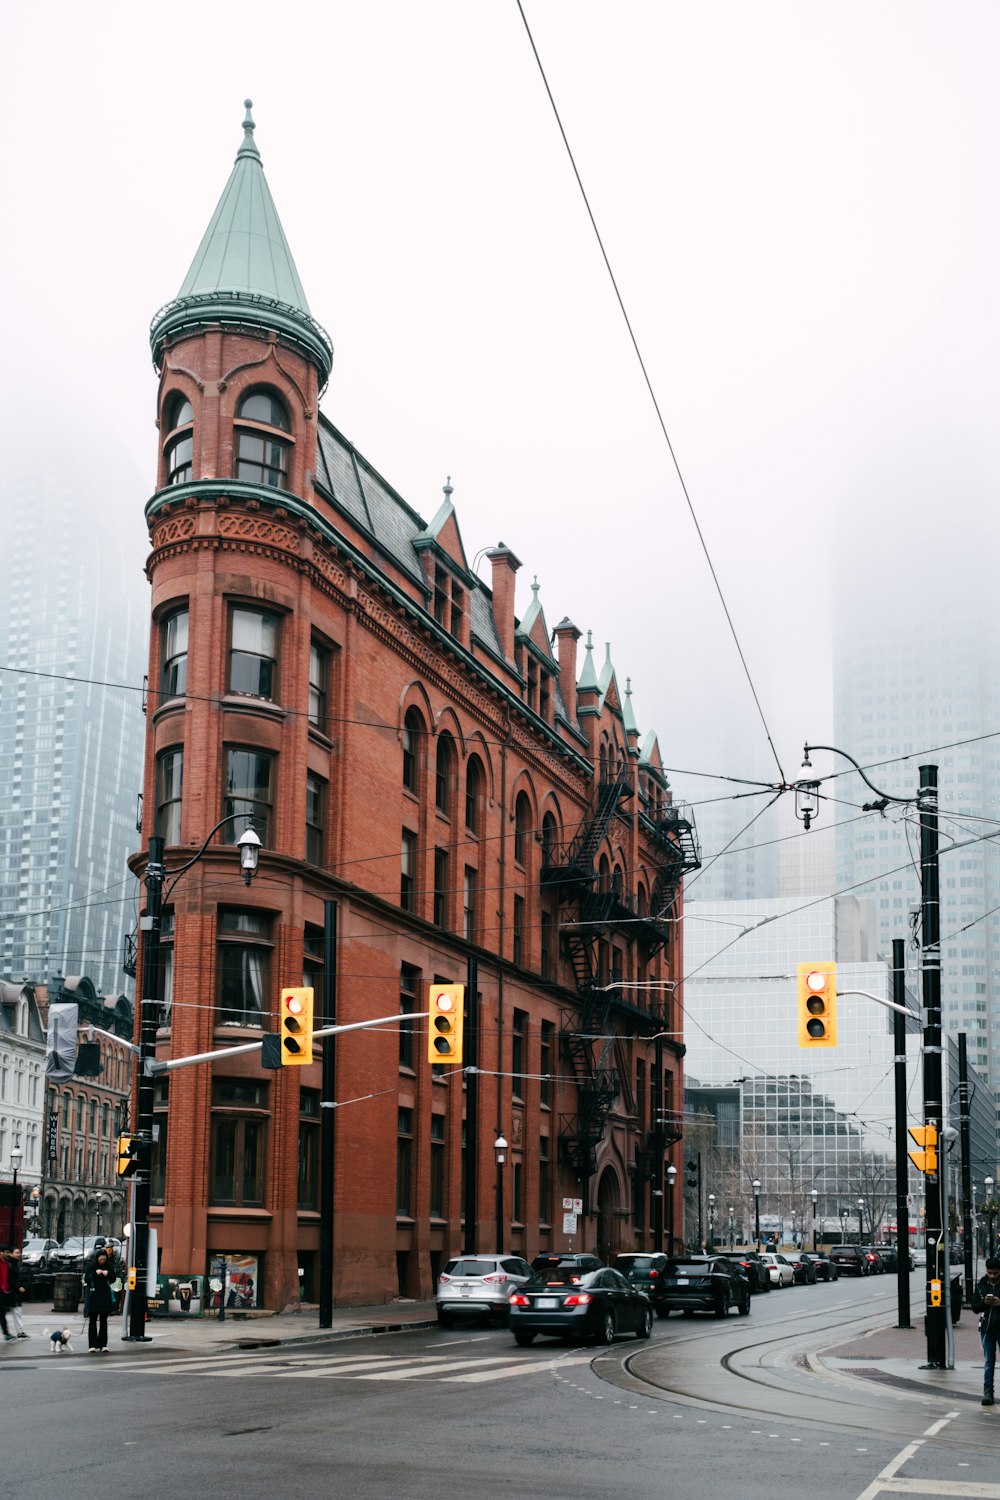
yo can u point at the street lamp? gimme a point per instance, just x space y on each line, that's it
671 1179
795 1216
711 1221
815 1196
249 846
861 1219
756 1213
732 1240
500 1147
15 1161
843 1226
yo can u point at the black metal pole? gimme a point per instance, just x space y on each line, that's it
902 1156
963 1136
658 1144
139 1250
670 1218
327 1113
470 1054
701 1220
499 1201
930 969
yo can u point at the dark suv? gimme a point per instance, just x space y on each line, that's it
752 1266
580 1262
645 1273
850 1260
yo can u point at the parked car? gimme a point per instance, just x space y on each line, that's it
824 1267
778 1268
646 1273
850 1260
888 1256
918 1256
595 1305
876 1264
36 1253
553 1258
479 1286
706 1283
803 1270
752 1266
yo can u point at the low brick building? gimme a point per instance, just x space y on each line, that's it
325 661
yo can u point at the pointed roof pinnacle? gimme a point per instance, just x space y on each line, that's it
588 677
447 487
249 146
628 717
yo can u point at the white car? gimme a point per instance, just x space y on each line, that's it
778 1268
918 1257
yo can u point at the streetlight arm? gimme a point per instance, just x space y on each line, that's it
904 1010
884 797
176 874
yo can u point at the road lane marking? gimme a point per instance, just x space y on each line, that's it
526 1369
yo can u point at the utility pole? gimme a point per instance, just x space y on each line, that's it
963 1135
470 1060
327 1129
139 1248
656 1100
902 1155
930 969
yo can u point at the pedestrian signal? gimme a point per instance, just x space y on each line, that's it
926 1137
295 1027
128 1155
818 1004
444 1039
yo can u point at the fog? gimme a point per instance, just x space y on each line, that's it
799 207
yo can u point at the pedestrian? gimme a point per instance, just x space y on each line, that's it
5 1295
15 1274
100 1300
986 1302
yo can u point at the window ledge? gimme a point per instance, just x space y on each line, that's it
226 1211
247 703
403 1221
319 738
167 707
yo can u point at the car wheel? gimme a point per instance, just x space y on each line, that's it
444 1319
663 1312
645 1328
606 1335
687 1312
744 1309
723 1307
523 1337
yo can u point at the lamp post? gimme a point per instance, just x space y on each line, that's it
989 1211
732 1240
814 1195
15 1162
671 1179
795 1217
711 1221
249 846
500 1147
843 1226
861 1220
756 1213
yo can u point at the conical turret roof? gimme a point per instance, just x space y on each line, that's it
243 270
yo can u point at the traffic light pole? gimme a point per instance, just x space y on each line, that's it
902 1155
930 970
327 1108
139 1247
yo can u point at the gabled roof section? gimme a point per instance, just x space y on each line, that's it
534 629
608 683
243 271
649 751
443 533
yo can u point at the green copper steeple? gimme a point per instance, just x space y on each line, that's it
243 272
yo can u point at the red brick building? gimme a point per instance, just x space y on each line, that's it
325 660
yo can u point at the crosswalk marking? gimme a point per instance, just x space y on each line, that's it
450 1364
523 1369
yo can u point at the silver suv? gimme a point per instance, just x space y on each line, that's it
479 1285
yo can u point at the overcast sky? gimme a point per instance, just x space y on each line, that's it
799 204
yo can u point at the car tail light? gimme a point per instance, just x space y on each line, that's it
653 1275
444 1276
517 1299
496 1276
578 1299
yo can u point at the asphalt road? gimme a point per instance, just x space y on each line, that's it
708 1410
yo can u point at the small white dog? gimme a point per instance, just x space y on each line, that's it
59 1340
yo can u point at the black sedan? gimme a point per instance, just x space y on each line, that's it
705 1283
822 1265
802 1268
753 1268
596 1306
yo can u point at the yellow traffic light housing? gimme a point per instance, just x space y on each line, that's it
444 1038
925 1136
295 1027
818 1004
128 1156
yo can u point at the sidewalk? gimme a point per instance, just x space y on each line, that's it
892 1357
208 1336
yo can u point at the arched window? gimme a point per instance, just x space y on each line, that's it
550 834
522 828
475 781
642 901
261 450
618 882
179 447
443 772
604 875
413 738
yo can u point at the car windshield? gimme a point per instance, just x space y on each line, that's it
470 1267
76 1243
35 1244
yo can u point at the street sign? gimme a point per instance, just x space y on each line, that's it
573 1205
569 1223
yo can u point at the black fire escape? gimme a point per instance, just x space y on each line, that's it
588 914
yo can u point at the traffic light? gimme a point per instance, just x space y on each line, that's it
128 1155
295 1027
818 1004
444 1039
925 1136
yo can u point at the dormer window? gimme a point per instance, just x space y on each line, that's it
449 604
262 447
179 448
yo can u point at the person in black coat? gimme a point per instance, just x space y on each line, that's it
986 1302
100 1300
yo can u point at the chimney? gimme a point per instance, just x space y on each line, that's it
504 565
567 635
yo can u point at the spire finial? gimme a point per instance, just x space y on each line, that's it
628 687
535 586
448 491
590 640
248 147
